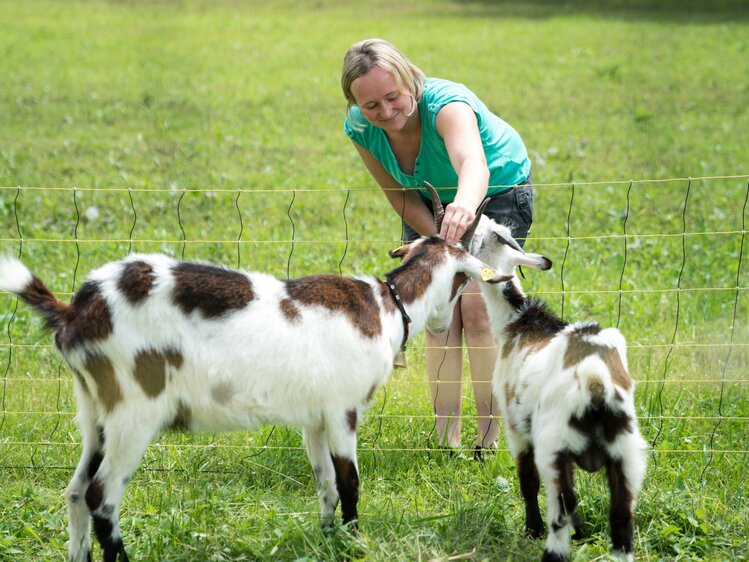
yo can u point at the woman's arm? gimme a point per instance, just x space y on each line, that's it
457 125
406 202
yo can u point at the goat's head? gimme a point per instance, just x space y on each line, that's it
448 266
446 269
493 244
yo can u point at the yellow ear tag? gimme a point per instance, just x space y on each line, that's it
487 273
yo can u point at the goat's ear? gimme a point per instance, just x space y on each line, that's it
509 242
399 252
490 276
500 279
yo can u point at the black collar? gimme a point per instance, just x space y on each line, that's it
404 315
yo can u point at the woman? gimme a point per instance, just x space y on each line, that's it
409 129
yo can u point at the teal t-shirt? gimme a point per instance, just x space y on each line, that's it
506 155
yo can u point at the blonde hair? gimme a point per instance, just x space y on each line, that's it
365 55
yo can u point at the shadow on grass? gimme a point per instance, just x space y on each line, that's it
682 11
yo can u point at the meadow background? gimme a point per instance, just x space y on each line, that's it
213 130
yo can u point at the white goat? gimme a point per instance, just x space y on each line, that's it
156 343
566 398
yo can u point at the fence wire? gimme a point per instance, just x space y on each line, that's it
683 308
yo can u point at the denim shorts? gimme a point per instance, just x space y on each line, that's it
512 207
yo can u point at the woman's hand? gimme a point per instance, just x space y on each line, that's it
456 221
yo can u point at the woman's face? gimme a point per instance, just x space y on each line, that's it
381 103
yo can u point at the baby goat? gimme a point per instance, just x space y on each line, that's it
156 343
566 398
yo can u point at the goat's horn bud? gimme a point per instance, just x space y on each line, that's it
465 240
437 208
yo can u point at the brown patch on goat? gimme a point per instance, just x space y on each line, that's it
620 514
530 485
136 281
592 458
150 372
564 485
528 422
174 358
39 296
289 310
107 388
338 294
222 393
182 418
459 280
87 318
507 346
597 391
600 423
619 374
533 343
95 495
370 394
82 381
586 329
351 419
415 273
347 483
579 348
509 393
150 369
211 290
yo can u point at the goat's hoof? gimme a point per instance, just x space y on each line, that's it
549 556
351 526
479 452
535 530
80 556
327 523
579 528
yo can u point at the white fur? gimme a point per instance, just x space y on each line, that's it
14 276
247 367
532 383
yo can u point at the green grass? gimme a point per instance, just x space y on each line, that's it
213 130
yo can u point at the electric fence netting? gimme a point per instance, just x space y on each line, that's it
666 261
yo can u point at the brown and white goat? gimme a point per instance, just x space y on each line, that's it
156 343
566 396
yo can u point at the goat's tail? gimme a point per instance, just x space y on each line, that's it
595 380
16 278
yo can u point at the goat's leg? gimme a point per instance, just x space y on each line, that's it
315 441
621 517
79 517
125 442
561 503
530 485
626 471
342 440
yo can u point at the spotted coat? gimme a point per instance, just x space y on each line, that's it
156 343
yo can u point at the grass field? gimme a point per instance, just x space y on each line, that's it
213 130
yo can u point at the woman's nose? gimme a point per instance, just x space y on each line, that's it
387 110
